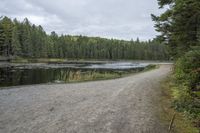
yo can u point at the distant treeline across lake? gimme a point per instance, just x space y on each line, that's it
23 39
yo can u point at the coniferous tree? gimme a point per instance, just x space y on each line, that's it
179 25
6 36
27 46
16 46
2 38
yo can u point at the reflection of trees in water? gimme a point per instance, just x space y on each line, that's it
10 76
5 76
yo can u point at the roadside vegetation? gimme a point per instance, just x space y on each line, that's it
179 26
181 124
186 88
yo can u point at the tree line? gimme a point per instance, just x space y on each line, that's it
23 39
179 26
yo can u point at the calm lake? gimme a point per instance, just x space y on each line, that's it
36 73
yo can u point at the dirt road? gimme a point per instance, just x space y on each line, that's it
126 105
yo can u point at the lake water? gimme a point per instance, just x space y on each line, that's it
37 73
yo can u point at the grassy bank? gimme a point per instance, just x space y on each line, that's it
104 75
36 60
182 123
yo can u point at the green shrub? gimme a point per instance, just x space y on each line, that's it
187 81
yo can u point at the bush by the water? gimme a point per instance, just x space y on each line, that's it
186 90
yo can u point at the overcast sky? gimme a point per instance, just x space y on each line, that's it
122 19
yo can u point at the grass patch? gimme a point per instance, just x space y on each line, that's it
182 124
37 60
19 60
91 76
96 75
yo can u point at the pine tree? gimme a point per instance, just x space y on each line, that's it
16 46
6 36
27 46
2 38
179 25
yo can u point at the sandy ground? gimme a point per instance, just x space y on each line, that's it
126 105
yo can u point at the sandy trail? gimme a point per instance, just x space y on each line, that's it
125 105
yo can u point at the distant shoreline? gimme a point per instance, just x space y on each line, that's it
61 60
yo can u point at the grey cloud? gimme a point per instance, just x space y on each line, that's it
123 19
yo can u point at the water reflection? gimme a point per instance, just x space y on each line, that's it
25 75
118 65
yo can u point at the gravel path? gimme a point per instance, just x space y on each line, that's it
126 105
